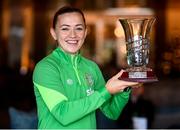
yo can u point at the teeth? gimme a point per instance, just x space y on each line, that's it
72 42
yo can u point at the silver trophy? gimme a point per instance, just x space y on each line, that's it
137 36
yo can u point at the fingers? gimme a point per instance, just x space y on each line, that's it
118 74
115 85
138 85
128 83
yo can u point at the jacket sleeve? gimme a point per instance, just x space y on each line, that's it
49 86
113 107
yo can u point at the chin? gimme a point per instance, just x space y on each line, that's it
72 52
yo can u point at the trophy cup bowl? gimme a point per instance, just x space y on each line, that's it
137 36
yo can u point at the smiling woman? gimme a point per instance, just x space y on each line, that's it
69 88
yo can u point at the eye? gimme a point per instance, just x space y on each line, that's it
79 28
64 29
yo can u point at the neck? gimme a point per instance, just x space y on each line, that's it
73 54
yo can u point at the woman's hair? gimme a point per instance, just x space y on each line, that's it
67 9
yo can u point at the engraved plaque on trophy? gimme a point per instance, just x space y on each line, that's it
137 36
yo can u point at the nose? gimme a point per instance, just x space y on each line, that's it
72 33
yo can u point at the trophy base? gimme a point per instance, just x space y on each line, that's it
139 76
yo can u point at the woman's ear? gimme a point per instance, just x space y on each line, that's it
53 33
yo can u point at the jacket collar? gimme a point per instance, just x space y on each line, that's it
66 57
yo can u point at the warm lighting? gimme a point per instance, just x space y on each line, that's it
118 32
27 39
6 17
23 70
133 11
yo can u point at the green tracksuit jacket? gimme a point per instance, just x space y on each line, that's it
69 89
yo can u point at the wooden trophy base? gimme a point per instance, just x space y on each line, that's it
139 76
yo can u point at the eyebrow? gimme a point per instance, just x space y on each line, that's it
79 25
69 25
65 25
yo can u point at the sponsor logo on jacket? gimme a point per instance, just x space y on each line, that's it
90 82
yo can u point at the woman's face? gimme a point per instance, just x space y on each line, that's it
70 32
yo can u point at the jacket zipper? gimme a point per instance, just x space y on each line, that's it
74 64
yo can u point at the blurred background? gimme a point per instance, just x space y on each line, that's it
25 39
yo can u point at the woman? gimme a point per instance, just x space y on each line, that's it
68 87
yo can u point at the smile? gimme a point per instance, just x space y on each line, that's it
72 41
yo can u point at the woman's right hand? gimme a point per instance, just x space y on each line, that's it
114 85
